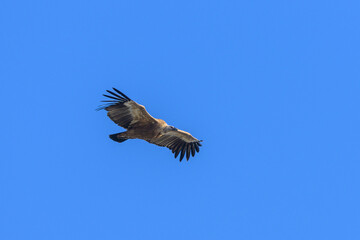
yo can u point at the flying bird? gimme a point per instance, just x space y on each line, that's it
141 125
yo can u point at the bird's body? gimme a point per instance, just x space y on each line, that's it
141 125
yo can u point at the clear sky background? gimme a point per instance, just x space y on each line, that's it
272 87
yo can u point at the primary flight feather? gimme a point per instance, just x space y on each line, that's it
141 125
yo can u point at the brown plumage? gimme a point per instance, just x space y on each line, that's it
140 124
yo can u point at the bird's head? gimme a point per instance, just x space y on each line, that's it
170 128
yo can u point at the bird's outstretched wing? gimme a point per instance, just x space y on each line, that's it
179 142
124 111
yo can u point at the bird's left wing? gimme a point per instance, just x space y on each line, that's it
125 112
179 142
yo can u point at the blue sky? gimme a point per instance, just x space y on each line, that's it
272 87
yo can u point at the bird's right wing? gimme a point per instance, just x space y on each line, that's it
125 112
179 142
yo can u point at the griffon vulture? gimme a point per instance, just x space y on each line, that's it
141 125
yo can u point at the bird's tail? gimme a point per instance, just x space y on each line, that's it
116 137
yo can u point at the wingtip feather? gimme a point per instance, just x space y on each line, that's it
122 94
